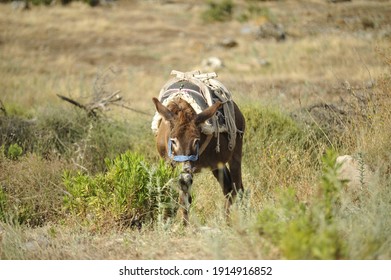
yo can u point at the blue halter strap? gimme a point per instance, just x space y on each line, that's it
181 158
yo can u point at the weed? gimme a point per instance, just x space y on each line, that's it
132 192
14 151
218 11
254 11
279 151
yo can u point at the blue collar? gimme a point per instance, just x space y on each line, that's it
181 158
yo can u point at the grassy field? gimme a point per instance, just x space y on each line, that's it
76 187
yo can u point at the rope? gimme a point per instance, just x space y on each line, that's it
229 116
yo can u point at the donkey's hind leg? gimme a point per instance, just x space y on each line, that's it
235 169
235 166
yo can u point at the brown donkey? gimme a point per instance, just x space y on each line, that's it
179 139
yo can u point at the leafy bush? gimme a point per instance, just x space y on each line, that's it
41 2
218 11
254 11
14 151
16 130
131 192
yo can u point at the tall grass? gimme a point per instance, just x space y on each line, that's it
71 135
30 189
334 223
279 151
303 231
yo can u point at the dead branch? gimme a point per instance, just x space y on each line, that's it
102 97
77 104
72 101
102 104
105 101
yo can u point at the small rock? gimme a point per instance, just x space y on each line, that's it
368 23
346 85
263 62
228 43
210 230
37 244
248 30
356 172
271 30
370 84
212 63
20 5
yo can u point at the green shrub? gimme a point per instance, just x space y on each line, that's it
92 3
41 2
131 192
17 130
14 151
218 11
253 11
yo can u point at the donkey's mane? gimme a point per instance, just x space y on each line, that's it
182 110
184 116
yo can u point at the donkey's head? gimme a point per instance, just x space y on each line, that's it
183 141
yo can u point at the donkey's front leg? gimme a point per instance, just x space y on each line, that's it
185 182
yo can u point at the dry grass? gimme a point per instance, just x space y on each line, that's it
51 50
65 47
62 242
34 190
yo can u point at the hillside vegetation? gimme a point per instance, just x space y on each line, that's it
312 79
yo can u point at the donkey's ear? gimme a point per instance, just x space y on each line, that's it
162 110
208 112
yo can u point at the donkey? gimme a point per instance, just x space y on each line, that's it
179 139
